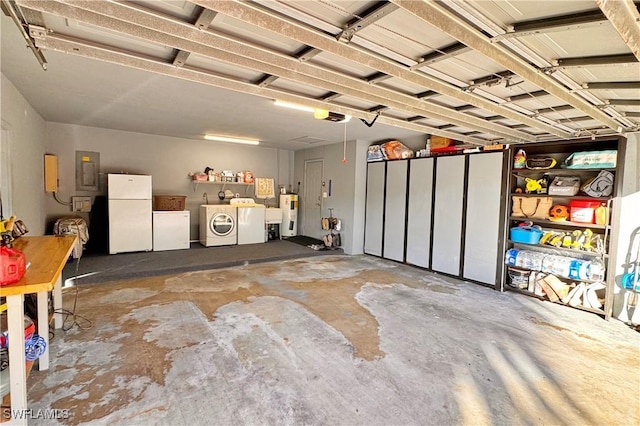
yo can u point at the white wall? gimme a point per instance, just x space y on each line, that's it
25 134
167 159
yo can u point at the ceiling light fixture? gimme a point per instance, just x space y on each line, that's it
232 140
318 113
293 106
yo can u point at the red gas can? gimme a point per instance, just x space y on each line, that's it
12 265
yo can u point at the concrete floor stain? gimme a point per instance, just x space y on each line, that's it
332 300
120 366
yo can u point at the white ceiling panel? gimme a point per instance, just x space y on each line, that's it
510 11
578 43
115 57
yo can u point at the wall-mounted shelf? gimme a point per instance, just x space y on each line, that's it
562 250
220 183
557 223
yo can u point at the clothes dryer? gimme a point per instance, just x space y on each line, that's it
218 225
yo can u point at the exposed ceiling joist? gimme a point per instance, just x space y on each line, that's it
117 56
574 21
8 8
165 30
289 28
441 18
625 18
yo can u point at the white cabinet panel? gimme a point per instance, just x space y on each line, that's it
419 212
447 223
394 210
130 226
374 209
482 230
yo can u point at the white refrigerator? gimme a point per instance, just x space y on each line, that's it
130 213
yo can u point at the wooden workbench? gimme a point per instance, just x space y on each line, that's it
46 257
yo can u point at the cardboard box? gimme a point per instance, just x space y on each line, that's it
441 142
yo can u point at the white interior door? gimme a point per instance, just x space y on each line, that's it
312 201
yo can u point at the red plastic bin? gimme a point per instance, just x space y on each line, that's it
583 211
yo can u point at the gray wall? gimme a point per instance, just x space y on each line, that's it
167 159
343 190
24 130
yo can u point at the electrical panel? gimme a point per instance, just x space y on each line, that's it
87 169
50 173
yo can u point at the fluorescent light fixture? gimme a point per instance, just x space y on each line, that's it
233 140
293 106
346 119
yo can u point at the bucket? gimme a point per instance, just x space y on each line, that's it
526 235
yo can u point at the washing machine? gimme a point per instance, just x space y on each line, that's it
218 225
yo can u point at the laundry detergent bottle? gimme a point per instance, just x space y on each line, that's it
520 159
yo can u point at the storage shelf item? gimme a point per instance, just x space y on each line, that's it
560 250
582 203
581 307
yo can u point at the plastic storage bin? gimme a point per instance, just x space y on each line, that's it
526 235
584 211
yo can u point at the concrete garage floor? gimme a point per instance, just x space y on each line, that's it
339 340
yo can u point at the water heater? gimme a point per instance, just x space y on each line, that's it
289 206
